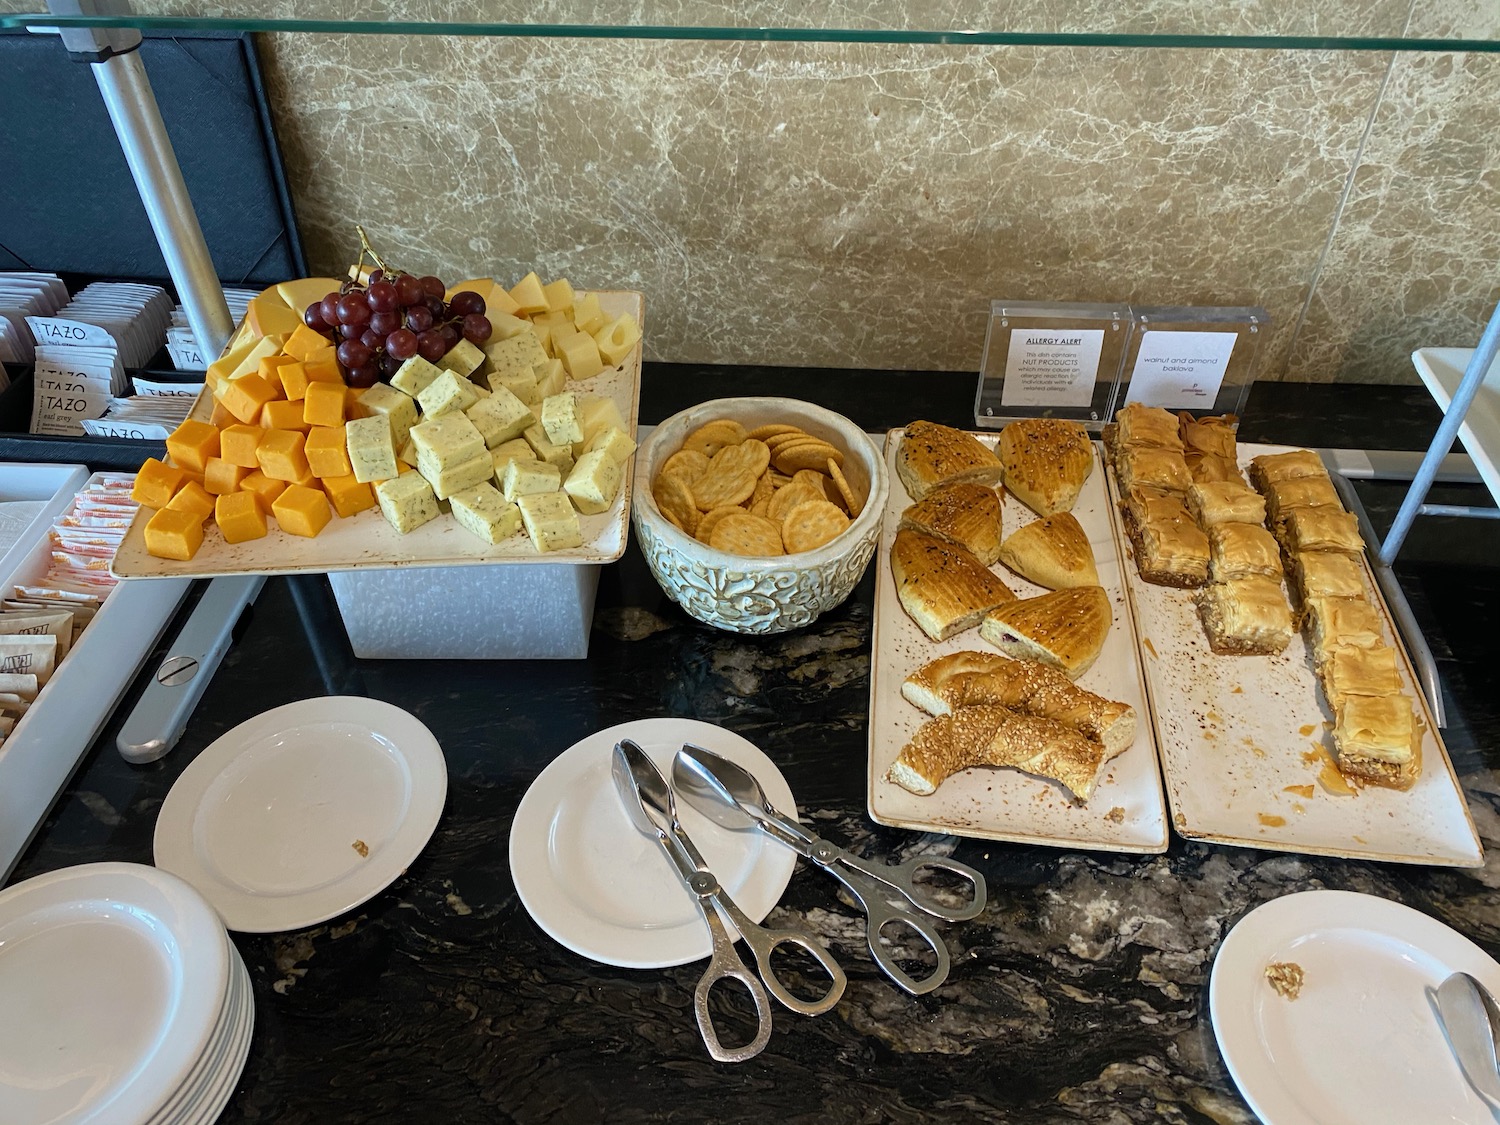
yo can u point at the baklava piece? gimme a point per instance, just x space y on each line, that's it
1242 550
1207 468
1304 492
1158 468
1342 623
1146 427
1272 468
1225 502
1213 435
1378 740
1349 671
1321 529
1170 549
1246 617
1328 574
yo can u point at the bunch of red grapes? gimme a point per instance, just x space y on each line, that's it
380 326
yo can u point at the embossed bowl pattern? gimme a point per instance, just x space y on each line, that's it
759 594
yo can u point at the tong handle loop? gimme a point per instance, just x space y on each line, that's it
901 877
725 964
880 915
764 941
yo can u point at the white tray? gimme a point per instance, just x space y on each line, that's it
1126 813
60 726
1236 732
366 541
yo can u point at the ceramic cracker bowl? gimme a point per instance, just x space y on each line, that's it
760 593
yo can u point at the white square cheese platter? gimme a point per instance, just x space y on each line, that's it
1127 811
1246 747
367 541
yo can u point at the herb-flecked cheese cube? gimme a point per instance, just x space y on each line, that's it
615 443
550 521
406 502
486 513
524 478
520 352
464 474
519 382
449 391
593 483
500 418
560 419
398 407
503 454
559 455
413 376
463 358
550 378
372 453
446 440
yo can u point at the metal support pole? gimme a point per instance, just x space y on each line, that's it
1442 441
116 63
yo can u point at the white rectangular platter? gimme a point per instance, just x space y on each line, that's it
365 540
1127 812
1246 747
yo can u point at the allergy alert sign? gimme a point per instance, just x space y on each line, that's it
1052 367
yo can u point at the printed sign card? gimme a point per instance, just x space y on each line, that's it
1050 359
1196 359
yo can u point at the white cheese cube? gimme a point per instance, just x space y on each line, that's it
553 454
579 354
406 501
449 391
519 382
520 352
597 412
616 339
398 407
616 444
550 378
542 330
550 521
486 513
446 440
593 483
412 377
503 326
372 453
587 315
465 474
500 418
463 358
560 419
559 296
526 478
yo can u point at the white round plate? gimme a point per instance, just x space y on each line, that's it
239 1013
1362 1042
269 819
113 979
599 887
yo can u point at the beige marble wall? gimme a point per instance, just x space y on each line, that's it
859 205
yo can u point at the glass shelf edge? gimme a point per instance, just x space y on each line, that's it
949 37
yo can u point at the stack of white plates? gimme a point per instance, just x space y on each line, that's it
123 1000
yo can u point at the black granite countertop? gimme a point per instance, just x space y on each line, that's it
1079 995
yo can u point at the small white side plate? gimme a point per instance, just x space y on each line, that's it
113 978
599 887
269 820
1362 1042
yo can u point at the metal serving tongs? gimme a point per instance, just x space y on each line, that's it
648 799
729 795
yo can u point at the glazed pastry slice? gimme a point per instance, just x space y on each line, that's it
1053 552
960 512
1046 463
943 588
930 455
1065 628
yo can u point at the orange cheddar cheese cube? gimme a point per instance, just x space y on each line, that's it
240 517
302 511
221 477
327 455
246 396
348 495
191 444
303 341
283 415
293 378
237 445
174 534
155 484
323 367
193 497
324 404
264 488
281 455
271 364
